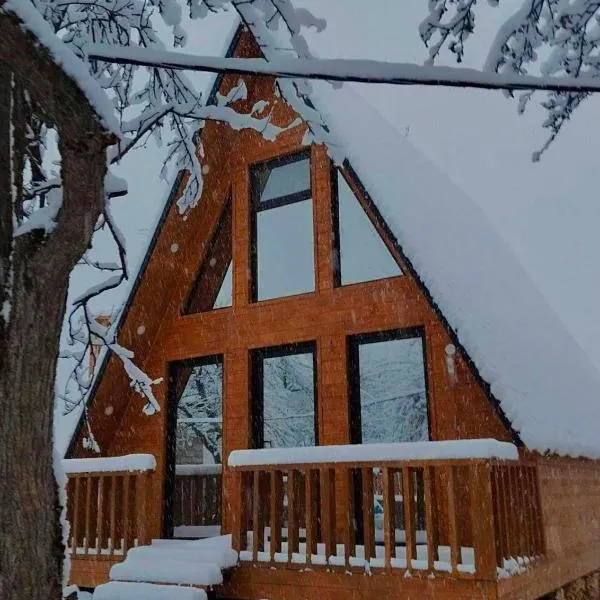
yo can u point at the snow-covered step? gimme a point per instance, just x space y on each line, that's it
181 570
120 590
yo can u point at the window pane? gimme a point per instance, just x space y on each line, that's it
225 295
284 251
289 401
212 286
363 254
393 399
278 181
200 416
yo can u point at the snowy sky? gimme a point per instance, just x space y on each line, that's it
545 210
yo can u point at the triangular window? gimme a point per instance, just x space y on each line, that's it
213 285
363 255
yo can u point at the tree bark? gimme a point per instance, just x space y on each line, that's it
31 550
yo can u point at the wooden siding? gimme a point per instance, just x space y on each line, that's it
459 408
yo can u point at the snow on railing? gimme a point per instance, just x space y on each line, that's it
110 464
185 470
355 453
460 507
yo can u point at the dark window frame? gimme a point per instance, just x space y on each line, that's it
377 222
353 344
256 207
257 356
173 370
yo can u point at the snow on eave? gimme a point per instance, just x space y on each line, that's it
33 22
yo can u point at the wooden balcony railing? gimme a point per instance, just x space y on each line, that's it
108 500
197 504
467 517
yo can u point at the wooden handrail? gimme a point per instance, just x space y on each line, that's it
464 517
108 512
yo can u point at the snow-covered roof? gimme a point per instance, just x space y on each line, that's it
32 21
545 384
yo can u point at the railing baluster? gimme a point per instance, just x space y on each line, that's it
276 508
328 511
126 508
311 513
538 528
258 530
498 518
523 500
100 514
512 513
431 525
292 513
88 509
504 484
76 515
113 514
368 503
348 516
389 517
408 495
452 518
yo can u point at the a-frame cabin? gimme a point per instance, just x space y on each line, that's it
362 312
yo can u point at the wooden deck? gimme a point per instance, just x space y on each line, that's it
512 530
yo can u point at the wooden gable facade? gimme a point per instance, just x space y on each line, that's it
171 325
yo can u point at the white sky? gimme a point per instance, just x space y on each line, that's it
547 211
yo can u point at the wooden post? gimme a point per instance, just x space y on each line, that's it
482 519
238 514
142 487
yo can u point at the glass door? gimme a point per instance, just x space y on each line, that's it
195 446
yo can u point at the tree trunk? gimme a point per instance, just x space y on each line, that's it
31 549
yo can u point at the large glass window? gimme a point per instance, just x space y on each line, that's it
388 389
284 397
282 232
362 253
199 431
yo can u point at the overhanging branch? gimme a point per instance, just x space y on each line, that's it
349 70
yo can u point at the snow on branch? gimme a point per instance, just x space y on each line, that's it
346 70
